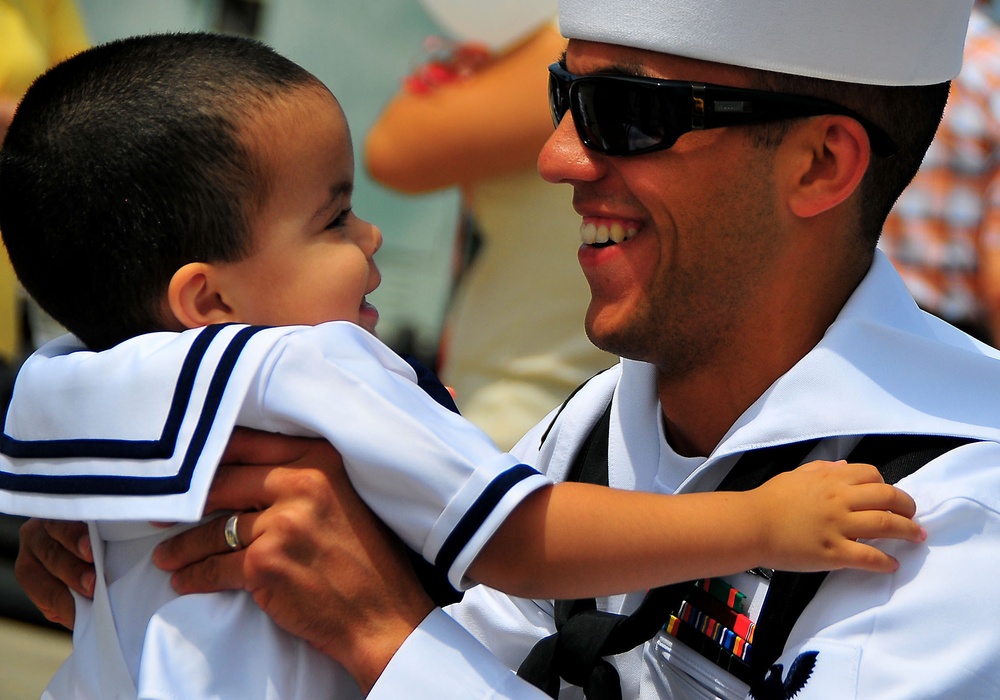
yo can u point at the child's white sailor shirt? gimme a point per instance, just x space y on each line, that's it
134 434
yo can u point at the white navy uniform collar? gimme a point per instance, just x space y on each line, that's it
884 366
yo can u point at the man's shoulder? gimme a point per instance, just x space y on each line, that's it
554 439
968 473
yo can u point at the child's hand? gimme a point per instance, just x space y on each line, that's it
811 517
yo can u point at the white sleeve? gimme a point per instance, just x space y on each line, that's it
440 660
438 481
927 630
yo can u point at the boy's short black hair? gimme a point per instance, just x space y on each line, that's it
126 162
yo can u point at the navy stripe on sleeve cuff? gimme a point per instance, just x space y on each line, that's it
479 512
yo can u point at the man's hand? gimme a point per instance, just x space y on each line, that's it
53 557
315 558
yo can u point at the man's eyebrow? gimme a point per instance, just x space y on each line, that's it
629 68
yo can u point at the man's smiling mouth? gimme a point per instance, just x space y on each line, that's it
602 234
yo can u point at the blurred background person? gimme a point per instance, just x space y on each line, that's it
944 232
475 115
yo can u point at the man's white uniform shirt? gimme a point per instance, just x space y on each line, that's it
134 434
925 631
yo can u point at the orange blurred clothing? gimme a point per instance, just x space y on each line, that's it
944 233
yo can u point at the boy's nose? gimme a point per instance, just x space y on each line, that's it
375 239
367 237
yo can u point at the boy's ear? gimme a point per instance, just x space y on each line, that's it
195 296
829 158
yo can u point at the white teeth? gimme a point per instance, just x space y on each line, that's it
616 233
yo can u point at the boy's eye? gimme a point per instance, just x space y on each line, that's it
340 220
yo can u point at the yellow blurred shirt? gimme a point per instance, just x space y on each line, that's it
34 35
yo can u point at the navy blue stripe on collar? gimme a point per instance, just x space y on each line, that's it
139 450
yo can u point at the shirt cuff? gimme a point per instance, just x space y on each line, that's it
441 660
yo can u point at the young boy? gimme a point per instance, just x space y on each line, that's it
164 183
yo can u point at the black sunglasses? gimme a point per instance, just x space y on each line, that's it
622 115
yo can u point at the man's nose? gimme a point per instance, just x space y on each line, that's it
564 158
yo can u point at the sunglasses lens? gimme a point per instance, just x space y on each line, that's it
627 117
617 116
558 98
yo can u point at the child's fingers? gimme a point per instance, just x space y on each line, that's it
875 524
851 472
872 496
857 555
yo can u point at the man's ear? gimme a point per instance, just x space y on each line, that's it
829 157
195 296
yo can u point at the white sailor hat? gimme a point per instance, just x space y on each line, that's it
878 42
